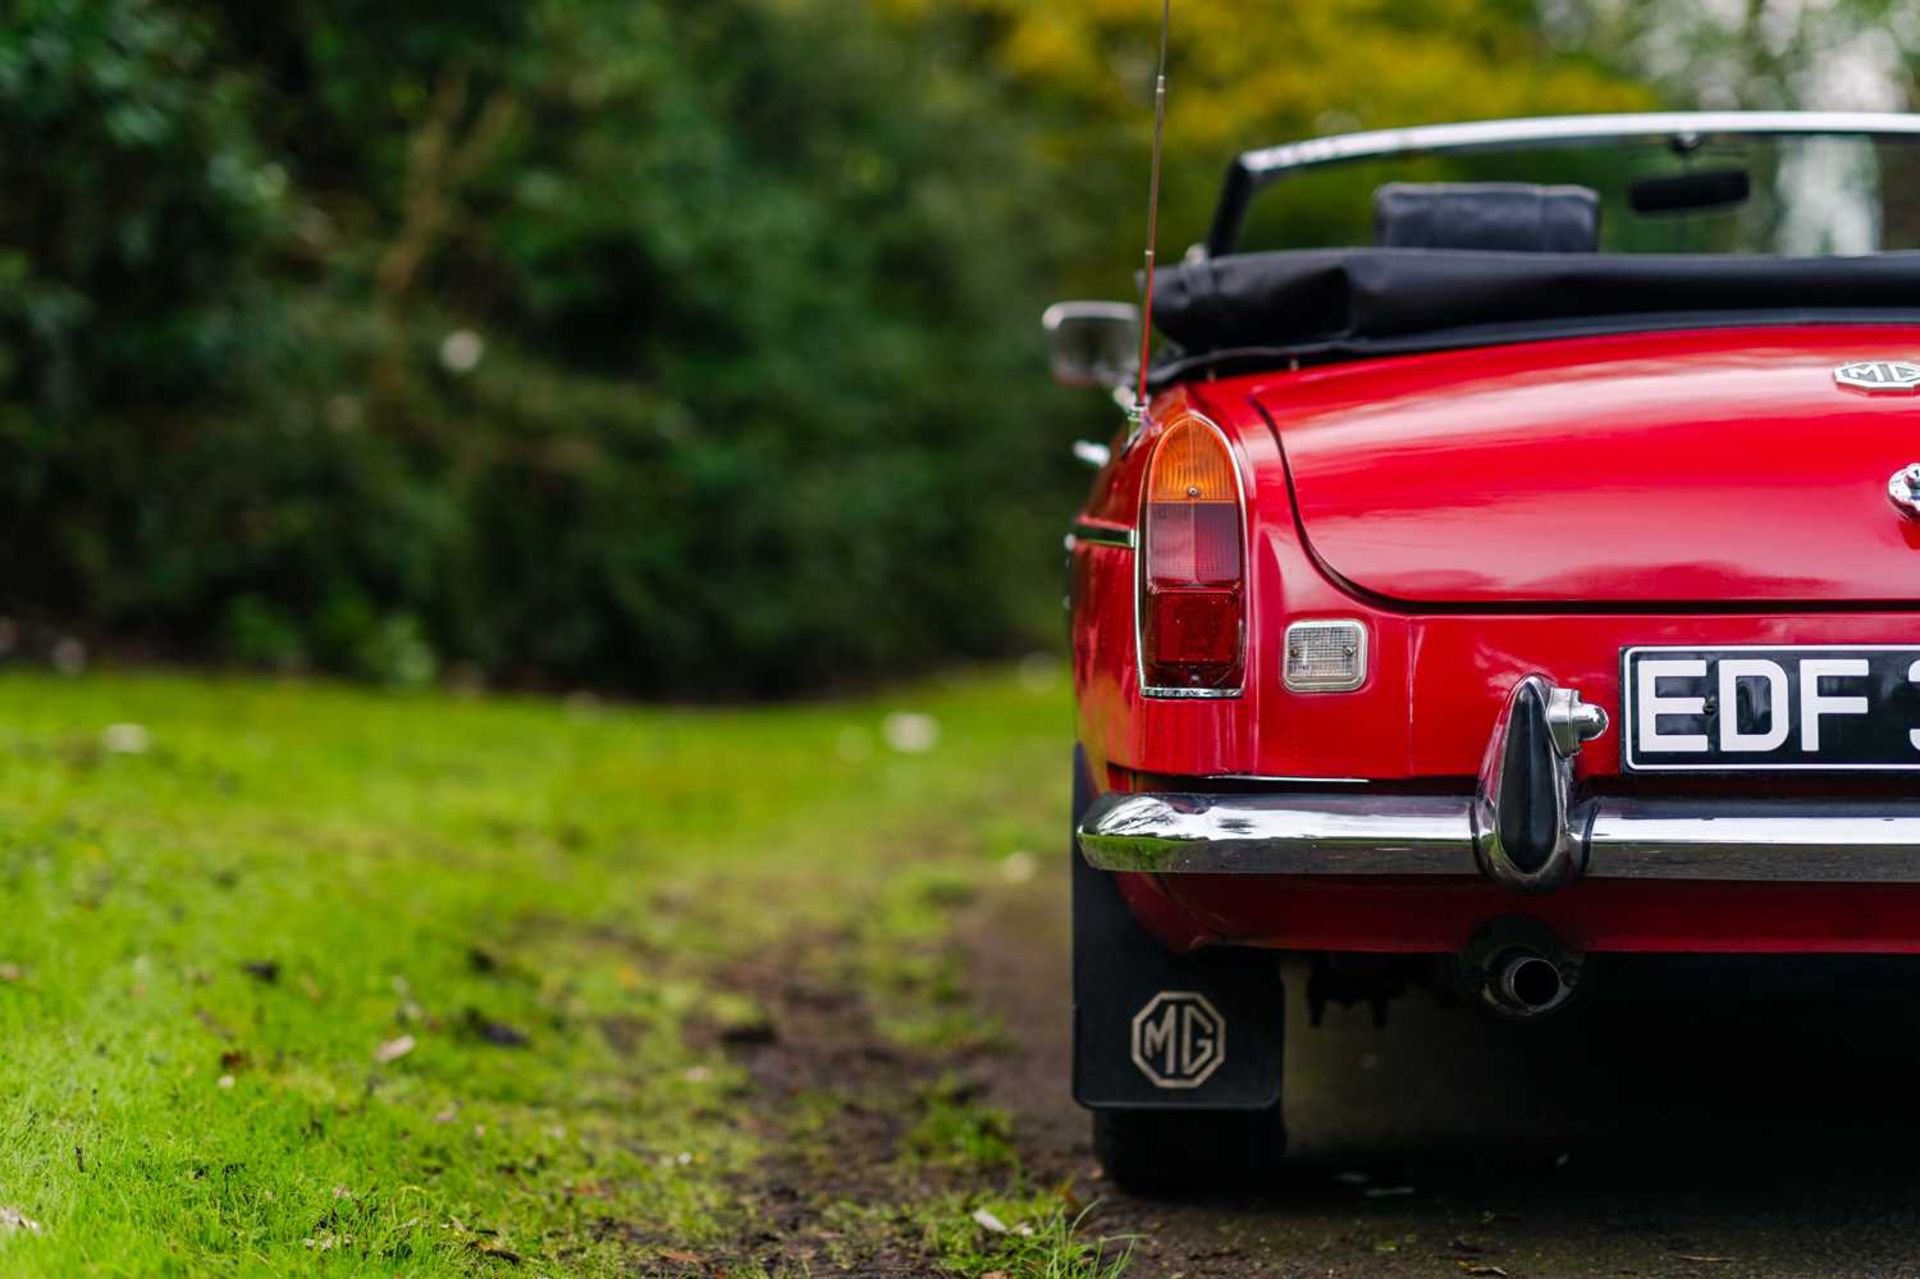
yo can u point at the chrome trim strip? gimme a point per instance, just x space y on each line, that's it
1284 779
1189 694
1759 841
1494 134
1101 535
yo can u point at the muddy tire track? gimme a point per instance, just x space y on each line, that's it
834 1100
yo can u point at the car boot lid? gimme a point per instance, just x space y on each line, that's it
1716 467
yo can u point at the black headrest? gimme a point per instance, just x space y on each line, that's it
1514 217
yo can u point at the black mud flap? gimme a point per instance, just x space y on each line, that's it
1153 1029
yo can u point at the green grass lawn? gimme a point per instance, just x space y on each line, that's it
306 978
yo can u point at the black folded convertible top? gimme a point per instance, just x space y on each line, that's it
1317 304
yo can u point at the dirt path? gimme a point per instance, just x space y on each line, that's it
1710 1139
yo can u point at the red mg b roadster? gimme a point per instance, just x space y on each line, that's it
1537 584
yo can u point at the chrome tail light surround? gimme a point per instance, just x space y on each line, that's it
1190 582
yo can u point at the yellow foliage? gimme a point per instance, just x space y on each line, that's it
1252 74
1263 71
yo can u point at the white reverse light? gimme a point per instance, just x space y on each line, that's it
1326 657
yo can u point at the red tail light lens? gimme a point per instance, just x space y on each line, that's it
1193 580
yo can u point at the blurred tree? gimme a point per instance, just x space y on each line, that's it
1758 54
1837 55
132 196
1250 75
676 346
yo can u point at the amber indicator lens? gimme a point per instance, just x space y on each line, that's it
1192 465
1193 617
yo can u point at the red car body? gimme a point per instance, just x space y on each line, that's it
1478 605
1498 511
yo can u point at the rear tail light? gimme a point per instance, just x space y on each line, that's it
1192 570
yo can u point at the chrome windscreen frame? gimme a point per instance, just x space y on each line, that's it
1685 130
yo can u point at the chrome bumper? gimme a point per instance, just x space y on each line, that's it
1527 825
1356 834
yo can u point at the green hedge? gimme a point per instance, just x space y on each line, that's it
678 346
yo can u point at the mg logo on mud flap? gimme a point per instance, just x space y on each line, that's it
1179 1039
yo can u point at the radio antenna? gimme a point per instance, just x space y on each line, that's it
1139 411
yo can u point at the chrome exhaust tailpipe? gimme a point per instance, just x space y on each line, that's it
1519 969
1528 984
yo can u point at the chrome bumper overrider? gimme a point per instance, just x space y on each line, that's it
1526 826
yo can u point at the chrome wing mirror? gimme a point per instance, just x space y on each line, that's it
1094 344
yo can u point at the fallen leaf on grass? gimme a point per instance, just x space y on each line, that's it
125 739
750 1034
496 1250
910 732
393 1049
14 1219
987 1221
687 1258
233 1061
497 1033
1703 1259
213 1023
